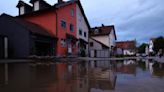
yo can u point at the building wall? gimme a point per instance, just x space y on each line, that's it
18 38
47 20
102 39
151 45
64 13
1 47
112 40
96 45
128 52
81 25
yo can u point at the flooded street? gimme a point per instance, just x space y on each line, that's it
86 76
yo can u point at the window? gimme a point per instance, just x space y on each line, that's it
63 42
80 32
36 5
85 34
63 24
91 44
72 12
71 28
22 10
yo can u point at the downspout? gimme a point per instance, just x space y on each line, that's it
56 31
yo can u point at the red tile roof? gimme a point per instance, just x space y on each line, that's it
103 30
126 44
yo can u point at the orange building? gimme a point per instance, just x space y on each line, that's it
60 20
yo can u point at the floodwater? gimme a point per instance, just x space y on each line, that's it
84 76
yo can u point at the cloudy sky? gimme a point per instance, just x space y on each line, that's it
133 19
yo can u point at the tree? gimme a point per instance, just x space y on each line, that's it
158 44
141 48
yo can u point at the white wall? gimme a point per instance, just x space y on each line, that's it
81 24
151 45
102 39
128 52
96 45
112 41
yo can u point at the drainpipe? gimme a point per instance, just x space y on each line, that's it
5 47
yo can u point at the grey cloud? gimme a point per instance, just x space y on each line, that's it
140 19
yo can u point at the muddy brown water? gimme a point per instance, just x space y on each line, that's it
86 76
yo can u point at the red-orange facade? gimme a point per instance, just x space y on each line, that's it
61 22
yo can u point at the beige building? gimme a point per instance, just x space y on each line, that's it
102 41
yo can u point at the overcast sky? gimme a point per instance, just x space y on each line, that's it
133 19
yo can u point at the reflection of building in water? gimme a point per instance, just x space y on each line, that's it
158 70
128 62
100 64
102 79
60 77
127 67
151 67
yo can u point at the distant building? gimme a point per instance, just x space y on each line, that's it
126 47
102 41
151 45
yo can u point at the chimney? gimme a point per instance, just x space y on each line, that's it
60 1
102 25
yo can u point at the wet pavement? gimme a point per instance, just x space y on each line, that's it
84 76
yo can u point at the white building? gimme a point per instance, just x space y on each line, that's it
102 40
83 28
151 46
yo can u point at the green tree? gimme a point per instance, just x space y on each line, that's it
158 44
141 48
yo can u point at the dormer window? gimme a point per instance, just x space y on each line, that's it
36 6
22 10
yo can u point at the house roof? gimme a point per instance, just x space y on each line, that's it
59 5
21 3
33 28
126 44
102 30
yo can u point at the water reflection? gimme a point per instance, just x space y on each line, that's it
127 67
58 77
85 76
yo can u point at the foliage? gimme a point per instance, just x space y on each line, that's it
141 48
159 44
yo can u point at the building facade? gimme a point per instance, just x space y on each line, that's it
26 38
64 20
126 47
102 40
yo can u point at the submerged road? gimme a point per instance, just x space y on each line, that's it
75 59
